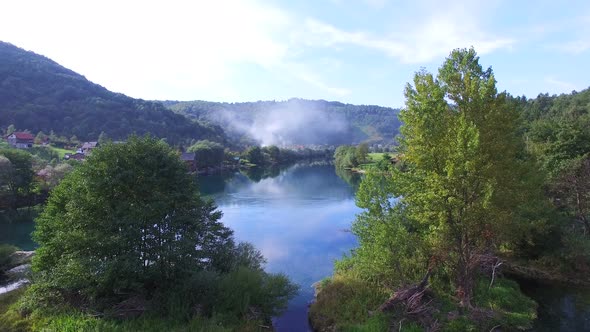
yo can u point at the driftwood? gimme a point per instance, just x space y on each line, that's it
130 308
411 296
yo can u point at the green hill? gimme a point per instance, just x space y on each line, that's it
296 121
38 94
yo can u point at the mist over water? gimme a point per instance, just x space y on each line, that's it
291 123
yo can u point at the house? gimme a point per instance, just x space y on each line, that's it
189 159
87 147
21 140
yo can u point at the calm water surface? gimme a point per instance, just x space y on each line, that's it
299 217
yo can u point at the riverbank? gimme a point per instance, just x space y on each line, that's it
519 298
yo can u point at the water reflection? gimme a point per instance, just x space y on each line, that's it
16 227
561 308
298 219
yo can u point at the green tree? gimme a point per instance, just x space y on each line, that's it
572 190
345 156
128 220
207 153
40 138
362 152
463 181
17 174
254 155
274 153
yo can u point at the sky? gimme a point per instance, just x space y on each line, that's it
360 52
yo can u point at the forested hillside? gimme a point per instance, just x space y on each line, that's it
558 127
296 121
557 132
38 94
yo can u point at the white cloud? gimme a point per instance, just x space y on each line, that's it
560 85
303 73
574 47
186 45
182 49
436 37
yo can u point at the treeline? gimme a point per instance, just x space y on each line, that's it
40 95
557 133
489 183
273 155
347 156
211 155
27 176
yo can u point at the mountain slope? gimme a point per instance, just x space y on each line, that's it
38 94
296 121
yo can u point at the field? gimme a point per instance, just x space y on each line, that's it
61 151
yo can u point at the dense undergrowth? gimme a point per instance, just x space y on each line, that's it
243 300
345 303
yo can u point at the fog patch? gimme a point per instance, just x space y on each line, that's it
291 123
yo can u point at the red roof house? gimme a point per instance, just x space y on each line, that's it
21 140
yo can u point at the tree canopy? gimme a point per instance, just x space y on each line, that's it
130 217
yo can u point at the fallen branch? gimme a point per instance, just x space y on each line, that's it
497 265
408 295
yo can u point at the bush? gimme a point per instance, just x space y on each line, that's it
247 291
6 252
345 302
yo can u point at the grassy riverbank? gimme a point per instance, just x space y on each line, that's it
14 319
347 303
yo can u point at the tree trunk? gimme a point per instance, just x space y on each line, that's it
465 276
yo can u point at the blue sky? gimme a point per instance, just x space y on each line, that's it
361 52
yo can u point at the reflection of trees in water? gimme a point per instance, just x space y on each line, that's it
213 184
313 176
353 179
256 174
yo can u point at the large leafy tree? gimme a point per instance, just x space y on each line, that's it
129 219
463 180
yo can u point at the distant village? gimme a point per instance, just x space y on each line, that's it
26 140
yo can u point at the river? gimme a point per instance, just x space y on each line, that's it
299 218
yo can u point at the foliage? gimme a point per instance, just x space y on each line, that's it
207 153
362 153
128 225
244 288
138 200
344 302
40 95
557 132
571 190
10 319
389 250
16 176
504 297
6 252
465 177
254 155
51 176
346 156
466 190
